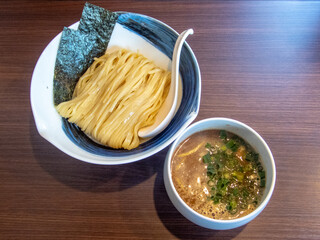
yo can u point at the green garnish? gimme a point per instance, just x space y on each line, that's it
262 183
216 198
206 158
252 157
235 192
223 148
222 184
262 174
231 205
223 134
208 145
230 179
238 175
232 145
211 171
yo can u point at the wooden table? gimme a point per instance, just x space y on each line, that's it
260 64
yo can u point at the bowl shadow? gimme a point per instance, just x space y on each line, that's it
177 224
88 177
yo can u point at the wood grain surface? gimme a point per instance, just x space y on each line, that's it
260 64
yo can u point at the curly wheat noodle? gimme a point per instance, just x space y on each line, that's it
120 93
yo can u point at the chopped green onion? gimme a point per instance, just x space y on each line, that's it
246 168
235 147
223 148
252 157
231 163
226 175
223 134
211 171
217 156
262 183
208 145
262 174
245 193
210 175
238 175
230 180
222 184
216 198
232 145
231 205
249 157
235 192
206 158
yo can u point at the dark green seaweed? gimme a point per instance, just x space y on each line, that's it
100 22
78 48
73 58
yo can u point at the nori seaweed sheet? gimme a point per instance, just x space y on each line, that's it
78 48
73 58
100 22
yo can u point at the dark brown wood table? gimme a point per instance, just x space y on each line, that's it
260 64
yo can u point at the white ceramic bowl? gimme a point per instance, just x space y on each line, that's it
254 139
136 32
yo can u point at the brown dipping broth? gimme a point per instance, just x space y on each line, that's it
218 174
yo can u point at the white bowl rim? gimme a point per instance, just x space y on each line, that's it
231 221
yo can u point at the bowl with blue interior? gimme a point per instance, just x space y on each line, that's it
88 119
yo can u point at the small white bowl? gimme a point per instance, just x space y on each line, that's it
254 139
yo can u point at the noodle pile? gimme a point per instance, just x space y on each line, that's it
120 93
